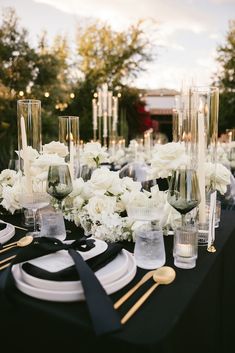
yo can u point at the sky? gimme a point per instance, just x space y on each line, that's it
185 33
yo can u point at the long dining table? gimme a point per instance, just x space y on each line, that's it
195 313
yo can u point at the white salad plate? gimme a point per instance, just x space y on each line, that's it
7 233
110 287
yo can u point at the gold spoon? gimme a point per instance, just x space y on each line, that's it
144 279
21 243
163 275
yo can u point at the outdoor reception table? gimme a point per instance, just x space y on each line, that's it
195 313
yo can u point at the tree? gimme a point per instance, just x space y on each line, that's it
51 84
107 56
17 70
110 56
226 80
39 73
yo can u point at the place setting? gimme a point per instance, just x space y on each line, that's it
53 277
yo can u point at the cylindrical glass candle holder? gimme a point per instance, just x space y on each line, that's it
69 135
29 133
185 248
30 111
205 105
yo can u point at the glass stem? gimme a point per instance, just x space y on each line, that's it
34 220
60 205
183 223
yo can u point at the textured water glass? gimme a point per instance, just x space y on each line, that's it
52 225
34 201
185 249
149 251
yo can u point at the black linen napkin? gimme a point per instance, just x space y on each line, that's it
2 226
70 273
104 317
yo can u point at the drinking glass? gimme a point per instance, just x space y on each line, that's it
59 182
34 201
185 249
183 193
149 251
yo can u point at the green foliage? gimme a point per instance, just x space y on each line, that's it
17 59
110 56
226 80
34 72
44 73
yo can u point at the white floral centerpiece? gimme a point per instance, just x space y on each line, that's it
100 204
12 183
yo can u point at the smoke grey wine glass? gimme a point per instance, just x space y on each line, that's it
183 192
59 182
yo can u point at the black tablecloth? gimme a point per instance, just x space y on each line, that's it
193 314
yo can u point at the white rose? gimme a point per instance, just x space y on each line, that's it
117 157
10 197
158 197
78 185
98 205
8 177
171 217
221 175
104 180
93 154
166 158
55 147
78 202
87 191
136 198
130 185
45 160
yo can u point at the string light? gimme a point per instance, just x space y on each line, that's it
72 95
119 95
46 94
21 93
61 106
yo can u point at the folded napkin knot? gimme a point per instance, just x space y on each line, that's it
46 243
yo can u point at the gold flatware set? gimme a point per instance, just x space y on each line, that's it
162 275
24 241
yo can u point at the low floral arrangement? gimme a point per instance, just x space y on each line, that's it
100 204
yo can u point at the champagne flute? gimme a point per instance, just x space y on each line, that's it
59 182
183 192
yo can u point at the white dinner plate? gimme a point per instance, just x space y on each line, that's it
107 274
7 233
75 295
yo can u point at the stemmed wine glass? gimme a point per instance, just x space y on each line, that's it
59 182
183 192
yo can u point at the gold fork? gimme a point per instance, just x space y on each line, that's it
8 260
